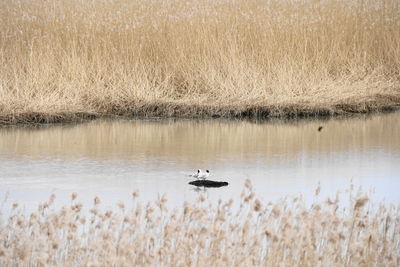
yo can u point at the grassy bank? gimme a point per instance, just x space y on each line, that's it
286 232
72 60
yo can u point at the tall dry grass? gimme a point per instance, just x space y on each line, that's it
62 59
285 233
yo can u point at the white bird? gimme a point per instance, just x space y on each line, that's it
204 175
197 174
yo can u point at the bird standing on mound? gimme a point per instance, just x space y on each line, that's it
200 174
196 175
204 175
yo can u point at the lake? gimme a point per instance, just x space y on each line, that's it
113 158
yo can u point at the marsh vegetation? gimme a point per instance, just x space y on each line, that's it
327 233
68 60
72 60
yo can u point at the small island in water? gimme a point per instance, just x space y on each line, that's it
208 183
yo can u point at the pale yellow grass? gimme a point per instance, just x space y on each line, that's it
284 233
63 60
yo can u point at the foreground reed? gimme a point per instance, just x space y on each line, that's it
285 233
73 59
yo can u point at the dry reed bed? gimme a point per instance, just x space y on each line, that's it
72 60
284 233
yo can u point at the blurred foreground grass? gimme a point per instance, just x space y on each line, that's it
283 233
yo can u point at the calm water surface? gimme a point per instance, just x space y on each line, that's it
111 159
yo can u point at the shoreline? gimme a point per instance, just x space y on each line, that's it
167 110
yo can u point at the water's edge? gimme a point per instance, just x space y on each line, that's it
377 104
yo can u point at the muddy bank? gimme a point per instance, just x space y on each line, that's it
378 103
208 183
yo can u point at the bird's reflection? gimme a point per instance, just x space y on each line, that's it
199 189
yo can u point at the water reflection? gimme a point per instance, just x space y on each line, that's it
201 140
112 158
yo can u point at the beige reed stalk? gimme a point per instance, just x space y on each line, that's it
246 233
65 60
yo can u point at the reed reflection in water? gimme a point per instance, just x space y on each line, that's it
192 141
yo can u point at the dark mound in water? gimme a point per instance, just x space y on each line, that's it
208 183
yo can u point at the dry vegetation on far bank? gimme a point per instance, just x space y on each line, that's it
73 59
284 233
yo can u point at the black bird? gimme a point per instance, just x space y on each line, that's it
320 128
